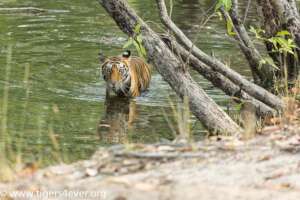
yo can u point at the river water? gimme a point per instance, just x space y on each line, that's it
56 107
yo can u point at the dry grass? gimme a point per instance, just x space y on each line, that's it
180 123
12 164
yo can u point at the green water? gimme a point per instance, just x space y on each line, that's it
60 112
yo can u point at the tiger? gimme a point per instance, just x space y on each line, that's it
126 75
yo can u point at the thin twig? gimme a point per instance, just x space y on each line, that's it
246 11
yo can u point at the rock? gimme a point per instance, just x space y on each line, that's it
91 172
166 148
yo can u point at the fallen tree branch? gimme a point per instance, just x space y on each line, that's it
252 89
218 80
172 70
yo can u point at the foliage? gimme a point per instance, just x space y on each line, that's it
229 27
282 45
269 61
226 5
281 42
137 41
238 106
257 32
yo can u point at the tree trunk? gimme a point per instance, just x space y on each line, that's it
172 70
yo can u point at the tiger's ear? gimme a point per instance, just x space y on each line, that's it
126 54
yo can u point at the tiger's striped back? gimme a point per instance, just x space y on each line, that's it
140 73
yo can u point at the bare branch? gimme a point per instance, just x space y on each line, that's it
246 11
249 87
262 74
218 80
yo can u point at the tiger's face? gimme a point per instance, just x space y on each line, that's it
115 72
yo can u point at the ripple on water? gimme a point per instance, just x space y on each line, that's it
157 94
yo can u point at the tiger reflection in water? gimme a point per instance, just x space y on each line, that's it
117 121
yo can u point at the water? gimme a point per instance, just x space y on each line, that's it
60 113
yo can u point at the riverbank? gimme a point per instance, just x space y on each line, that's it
266 167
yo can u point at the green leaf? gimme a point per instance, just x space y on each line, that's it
229 26
227 4
238 106
218 5
281 41
252 30
274 42
140 49
128 43
257 32
220 16
143 51
139 39
268 61
291 43
137 28
283 33
137 46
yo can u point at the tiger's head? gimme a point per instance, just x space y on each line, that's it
115 72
